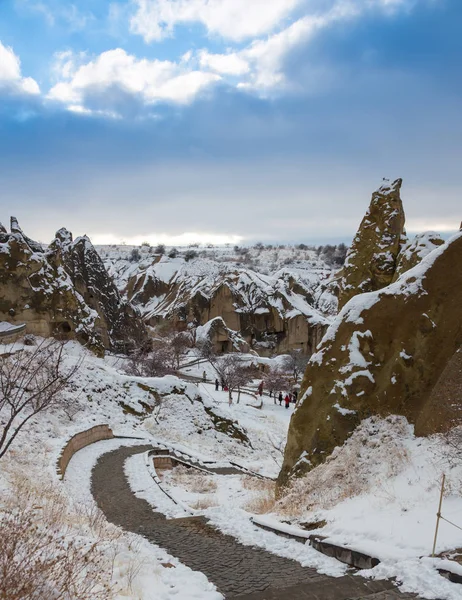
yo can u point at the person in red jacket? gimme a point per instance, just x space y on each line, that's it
287 400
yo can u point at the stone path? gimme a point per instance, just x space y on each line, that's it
239 572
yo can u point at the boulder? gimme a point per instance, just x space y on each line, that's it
384 354
371 259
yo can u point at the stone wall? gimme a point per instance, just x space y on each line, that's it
81 440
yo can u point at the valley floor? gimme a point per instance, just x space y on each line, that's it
389 481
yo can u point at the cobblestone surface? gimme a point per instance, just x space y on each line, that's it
238 571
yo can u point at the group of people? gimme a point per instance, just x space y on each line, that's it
288 399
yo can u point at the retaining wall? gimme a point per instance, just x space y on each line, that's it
81 440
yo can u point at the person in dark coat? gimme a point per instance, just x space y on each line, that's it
217 384
222 385
287 400
295 396
280 398
260 389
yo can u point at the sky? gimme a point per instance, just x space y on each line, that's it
227 121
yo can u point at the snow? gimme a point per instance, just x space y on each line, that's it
378 494
256 287
229 517
152 581
391 511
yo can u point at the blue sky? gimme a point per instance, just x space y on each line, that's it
227 120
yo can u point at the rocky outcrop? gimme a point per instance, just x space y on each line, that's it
384 354
121 325
270 313
416 250
14 226
64 291
371 260
220 338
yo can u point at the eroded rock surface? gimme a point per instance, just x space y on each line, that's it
384 354
416 250
371 260
63 291
270 313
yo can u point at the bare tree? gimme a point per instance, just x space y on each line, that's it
233 373
206 350
159 361
180 343
31 382
296 364
276 381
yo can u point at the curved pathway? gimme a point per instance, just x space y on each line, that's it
238 571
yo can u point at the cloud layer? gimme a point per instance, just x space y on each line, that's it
11 80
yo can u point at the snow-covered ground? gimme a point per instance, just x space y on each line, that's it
378 494
151 579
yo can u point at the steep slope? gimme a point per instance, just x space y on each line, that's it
383 355
371 260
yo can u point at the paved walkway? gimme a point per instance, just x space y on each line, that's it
239 572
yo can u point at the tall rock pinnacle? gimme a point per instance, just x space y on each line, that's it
371 260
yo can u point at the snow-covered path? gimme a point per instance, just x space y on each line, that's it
238 570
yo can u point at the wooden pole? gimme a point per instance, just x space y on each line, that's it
438 514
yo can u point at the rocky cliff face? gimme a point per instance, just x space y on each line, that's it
384 354
63 291
270 313
371 260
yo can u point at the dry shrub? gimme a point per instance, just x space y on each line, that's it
255 483
192 480
375 451
262 504
205 502
264 499
40 555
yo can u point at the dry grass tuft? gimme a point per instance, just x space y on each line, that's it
374 452
261 504
264 500
192 480
205 502
40 554
254 483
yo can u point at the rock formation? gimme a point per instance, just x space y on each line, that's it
371 260
14 226
271 314
384 354
413 252
64 291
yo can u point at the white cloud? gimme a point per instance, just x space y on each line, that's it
226 64
116 83
232 19
11 79
146 81
262 62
